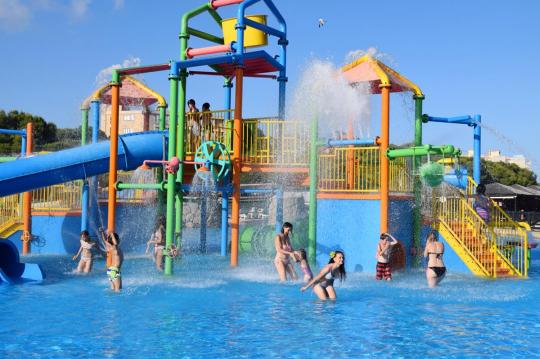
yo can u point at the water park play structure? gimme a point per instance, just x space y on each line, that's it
358 188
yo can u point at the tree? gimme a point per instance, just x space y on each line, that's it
502 172
43 131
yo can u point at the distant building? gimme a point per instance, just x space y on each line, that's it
133 120
496 156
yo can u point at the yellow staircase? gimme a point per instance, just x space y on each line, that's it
10 215
492 250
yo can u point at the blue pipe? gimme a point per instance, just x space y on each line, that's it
241 26
279 210
477 148
224 222
267 29
84 207
78 163
23 144
95 120
465 120
202 243
340 143
12 132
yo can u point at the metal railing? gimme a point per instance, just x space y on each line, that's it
207 126
10 210
357 169
60 197
271 141
512 239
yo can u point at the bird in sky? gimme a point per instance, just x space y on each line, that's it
322 22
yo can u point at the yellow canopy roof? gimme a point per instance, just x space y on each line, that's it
133 91
368 69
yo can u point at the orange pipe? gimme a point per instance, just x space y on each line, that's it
27 197
237 165
349 163
113 161
385 140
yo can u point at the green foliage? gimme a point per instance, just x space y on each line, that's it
505 173
47 137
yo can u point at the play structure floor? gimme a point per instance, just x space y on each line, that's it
210 310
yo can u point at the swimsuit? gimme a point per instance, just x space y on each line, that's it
384 270
328 280
307 271
283 257
439 271
113 273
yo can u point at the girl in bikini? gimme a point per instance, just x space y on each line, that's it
284 252
323 283
434 251
85 251
158 240
301 257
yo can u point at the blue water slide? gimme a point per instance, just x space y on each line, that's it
12 271
79 163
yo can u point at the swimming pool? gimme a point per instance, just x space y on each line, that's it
210 310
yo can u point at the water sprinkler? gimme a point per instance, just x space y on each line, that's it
171 166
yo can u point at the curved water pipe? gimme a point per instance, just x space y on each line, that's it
424 150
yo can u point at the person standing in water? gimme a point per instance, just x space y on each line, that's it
434 251
384 250
284 253
85 251
112 245
158 240
301 257
323 283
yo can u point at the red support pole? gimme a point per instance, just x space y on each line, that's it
27 197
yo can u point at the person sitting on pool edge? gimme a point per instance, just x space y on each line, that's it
112 243
434 251
323 283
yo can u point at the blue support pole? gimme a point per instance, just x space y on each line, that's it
92 182
340 143
477 148
23 145
95 120
202 242
279 209
224 222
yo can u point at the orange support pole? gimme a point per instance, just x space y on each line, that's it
237 166
349 164
113 161
385 141
27 197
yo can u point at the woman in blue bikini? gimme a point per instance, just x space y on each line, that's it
323 283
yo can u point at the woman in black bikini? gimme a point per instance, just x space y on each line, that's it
434 251
323 283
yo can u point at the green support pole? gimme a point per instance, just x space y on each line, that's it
313 153
84 125
180 154
148 186
162 197
171 190
417 189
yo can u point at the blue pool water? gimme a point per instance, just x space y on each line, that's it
210 310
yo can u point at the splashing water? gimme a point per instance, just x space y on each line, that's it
323 93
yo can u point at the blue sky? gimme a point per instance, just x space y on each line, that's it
467 56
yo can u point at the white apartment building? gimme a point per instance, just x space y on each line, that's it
497 156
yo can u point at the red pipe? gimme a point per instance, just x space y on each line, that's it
191 53
219 3
225 74
144 69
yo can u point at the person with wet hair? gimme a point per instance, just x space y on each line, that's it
284 253
482 204
112 245
436 270
323 283
384 251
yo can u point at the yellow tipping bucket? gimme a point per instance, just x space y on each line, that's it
252 36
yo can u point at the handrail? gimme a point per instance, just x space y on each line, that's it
510 235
